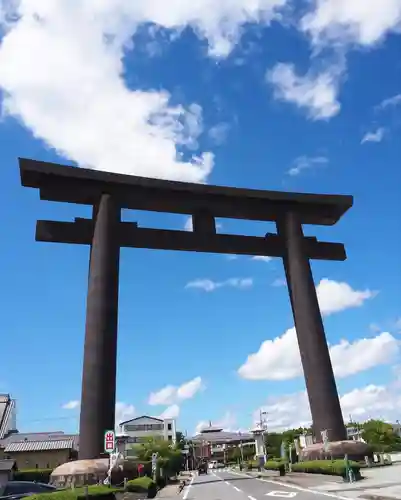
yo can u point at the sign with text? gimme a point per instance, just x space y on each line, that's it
109 441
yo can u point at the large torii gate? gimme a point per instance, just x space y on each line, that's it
108 193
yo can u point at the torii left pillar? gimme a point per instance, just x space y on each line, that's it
98 397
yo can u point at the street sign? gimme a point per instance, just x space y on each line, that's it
154 461
109 441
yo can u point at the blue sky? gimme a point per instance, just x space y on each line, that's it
250 94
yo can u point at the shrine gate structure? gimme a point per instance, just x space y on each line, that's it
105 233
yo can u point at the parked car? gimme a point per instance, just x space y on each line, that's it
213 464
13 490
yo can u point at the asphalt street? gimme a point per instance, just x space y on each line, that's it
223 485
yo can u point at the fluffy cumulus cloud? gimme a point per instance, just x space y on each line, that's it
279 358
335 296
352 21
314 92
170 395
371 401
209 285
68 88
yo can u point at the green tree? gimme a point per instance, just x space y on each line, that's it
381 436
180 440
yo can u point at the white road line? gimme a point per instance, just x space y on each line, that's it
227 483
185 494
294 487
237 489
251 498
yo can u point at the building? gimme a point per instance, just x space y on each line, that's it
141 428
39 450
8 415
7 469
215 443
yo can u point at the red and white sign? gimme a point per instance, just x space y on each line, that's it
109 441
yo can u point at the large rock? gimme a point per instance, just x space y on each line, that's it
356 450
80 472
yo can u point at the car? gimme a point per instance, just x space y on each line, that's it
212 464
13 490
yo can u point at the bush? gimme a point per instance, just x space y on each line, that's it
142 485
332 467
101 492
37 475
274 465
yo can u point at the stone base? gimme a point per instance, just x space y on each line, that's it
356 450
80 472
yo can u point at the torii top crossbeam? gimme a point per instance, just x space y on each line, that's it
84 186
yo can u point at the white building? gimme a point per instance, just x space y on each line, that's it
140 428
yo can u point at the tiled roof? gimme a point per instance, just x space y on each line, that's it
64 444
142 416
222 437
37 437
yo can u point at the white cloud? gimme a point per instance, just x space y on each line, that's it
372 401
352 21
305 163
209 285
390 102
218 133
79 104
124 411
262 258
314 92
172 411
279 359
71 405
334 296
279 282
376 136
171 394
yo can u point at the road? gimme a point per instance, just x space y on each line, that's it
228 485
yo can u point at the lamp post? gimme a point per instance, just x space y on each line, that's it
240 446
263 426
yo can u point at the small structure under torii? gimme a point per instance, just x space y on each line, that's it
105 233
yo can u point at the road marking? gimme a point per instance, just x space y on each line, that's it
251 498
294 487
185 494
282 494
237 489
227 483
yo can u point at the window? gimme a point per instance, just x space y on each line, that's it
169 427
143 427
170 437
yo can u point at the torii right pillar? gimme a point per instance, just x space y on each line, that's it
318 371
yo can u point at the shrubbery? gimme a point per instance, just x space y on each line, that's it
102 492
275 465
142 485
332 467
37 475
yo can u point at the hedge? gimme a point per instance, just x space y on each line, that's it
142 485
37 475
274 465
332 467
102 492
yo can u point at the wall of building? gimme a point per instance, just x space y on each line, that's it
145 427
40 459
